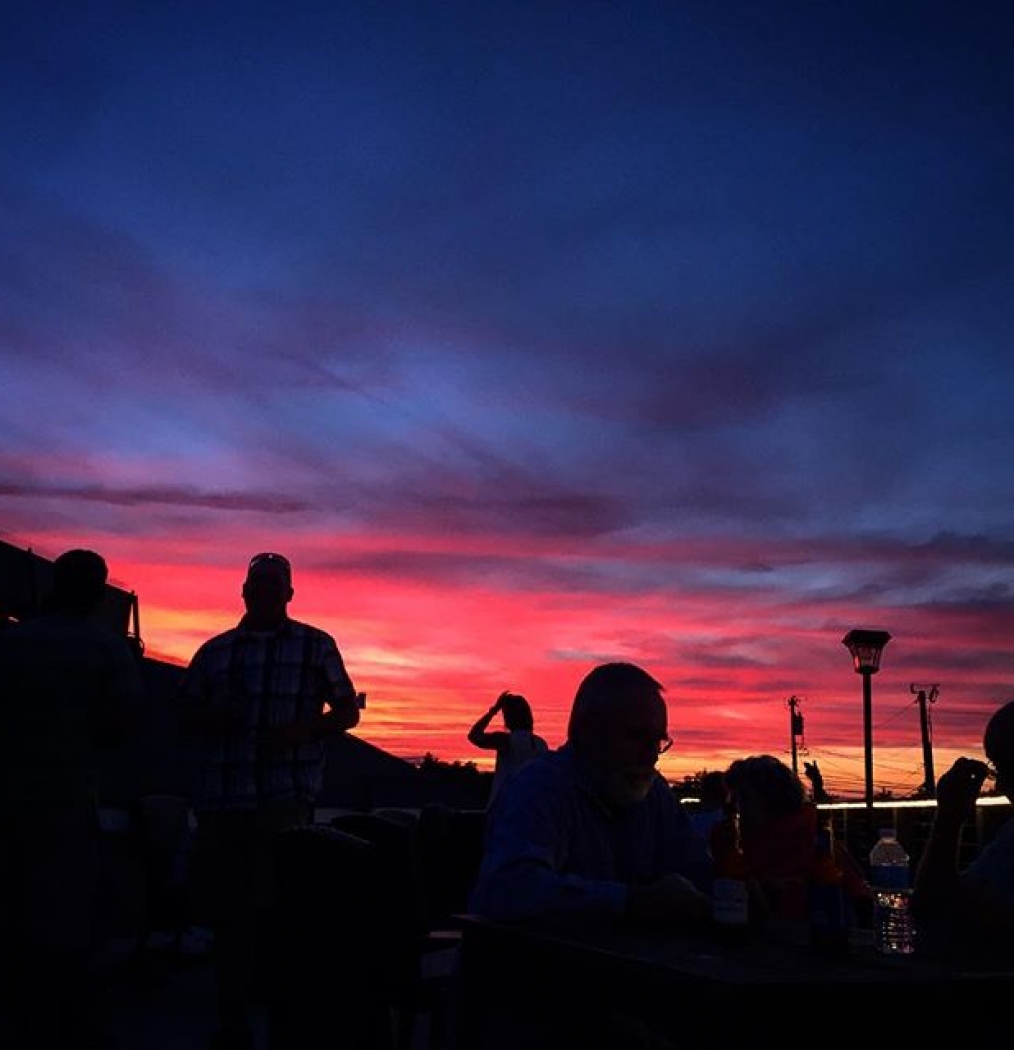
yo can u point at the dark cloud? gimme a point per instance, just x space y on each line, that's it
688 326
155 496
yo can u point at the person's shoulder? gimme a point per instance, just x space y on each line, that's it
546 779
102 631
526 744
116 647
299 629
545 769
217 642
999 850
223 638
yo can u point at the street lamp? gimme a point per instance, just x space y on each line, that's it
866 647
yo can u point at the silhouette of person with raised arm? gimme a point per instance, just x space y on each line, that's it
514 745
69 688
967 915
816 779
263 697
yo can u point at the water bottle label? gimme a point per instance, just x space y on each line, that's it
890 876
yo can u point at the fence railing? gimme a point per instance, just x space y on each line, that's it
857 826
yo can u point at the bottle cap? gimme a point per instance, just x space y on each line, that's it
887 833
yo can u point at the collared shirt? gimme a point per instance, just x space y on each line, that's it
554 851
271 678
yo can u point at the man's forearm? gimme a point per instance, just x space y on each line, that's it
478 730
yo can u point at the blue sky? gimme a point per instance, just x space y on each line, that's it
537 333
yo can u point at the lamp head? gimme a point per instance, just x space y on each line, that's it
866 648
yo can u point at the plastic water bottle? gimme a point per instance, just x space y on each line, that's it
890 880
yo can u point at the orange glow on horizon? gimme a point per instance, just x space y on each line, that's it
433 655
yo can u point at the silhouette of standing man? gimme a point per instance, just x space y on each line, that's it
256 696
68 687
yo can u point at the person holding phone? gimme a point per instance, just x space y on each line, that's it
968 914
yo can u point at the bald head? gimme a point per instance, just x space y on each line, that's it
618 724
612 691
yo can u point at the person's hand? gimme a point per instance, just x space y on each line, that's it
958 788
670 901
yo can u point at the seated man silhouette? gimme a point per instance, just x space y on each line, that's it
592 831
588 835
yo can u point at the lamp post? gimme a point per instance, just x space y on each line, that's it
866 647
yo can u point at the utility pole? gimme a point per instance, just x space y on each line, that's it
795 729
927 694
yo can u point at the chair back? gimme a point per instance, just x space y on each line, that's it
327 960
451 847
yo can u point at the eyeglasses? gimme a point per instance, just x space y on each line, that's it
271 559
642 741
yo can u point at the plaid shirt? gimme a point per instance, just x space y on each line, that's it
272 678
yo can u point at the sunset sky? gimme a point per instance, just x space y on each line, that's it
537 335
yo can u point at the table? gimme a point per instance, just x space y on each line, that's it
528 986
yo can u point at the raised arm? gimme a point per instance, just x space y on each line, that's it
478 734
